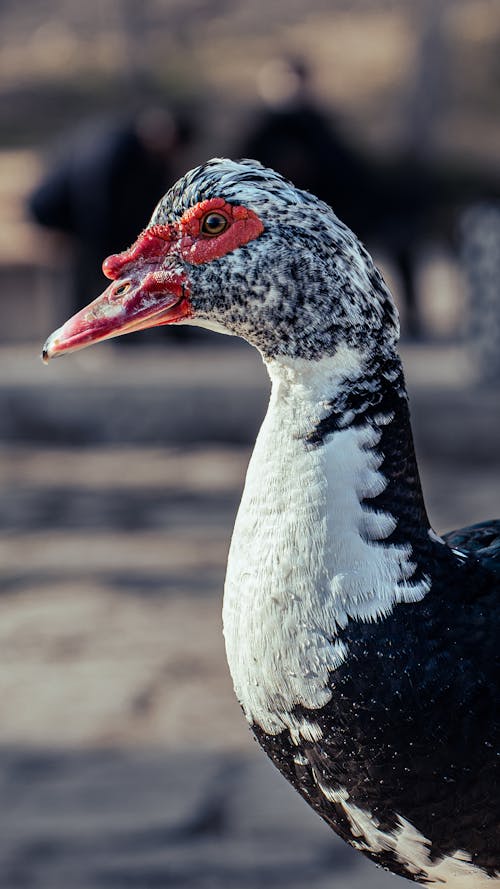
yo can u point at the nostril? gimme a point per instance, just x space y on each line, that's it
121 289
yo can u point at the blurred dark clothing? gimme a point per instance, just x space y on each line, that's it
391 204
303 146
299 142
102 193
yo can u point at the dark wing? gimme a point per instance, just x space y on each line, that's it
482 541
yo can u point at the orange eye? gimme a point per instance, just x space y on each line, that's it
213 224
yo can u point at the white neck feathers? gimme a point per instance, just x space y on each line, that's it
307 553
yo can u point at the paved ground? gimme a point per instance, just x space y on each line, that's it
124 758
104 819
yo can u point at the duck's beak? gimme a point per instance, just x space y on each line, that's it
124 307
144 293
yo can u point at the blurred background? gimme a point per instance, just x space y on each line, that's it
124 758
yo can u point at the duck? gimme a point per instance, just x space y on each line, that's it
362 644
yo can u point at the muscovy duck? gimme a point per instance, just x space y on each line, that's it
361 644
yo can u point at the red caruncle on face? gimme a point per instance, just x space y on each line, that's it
150 281
188 239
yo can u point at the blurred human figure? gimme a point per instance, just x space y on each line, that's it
383 206
405 198
293 136
103 189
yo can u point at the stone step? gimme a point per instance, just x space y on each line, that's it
195 393
181 490
124 489
186 560
106 818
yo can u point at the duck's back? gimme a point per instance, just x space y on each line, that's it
481 542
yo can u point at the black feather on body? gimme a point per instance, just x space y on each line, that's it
482 541
374 399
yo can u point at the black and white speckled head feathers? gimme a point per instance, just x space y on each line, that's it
300 289
281 271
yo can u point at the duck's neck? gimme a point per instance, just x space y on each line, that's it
332 528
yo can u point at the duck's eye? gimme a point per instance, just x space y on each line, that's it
214 224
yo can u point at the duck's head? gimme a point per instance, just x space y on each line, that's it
235 247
